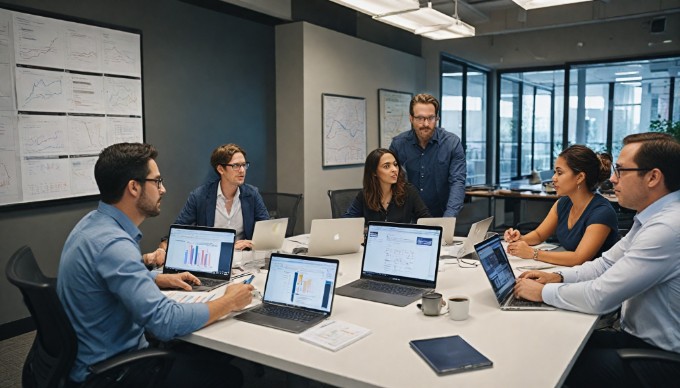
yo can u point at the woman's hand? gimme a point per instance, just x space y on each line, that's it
243 244
521 249
512 235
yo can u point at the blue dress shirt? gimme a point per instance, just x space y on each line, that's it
438 171
641 273
108 294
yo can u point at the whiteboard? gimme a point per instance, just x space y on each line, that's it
67 91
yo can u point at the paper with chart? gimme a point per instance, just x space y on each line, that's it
344 130
67 91
334 334
394 115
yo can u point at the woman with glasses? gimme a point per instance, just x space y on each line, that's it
227 202
584 221
386 195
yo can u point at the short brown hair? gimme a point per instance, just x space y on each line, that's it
424 98
658 150
223 154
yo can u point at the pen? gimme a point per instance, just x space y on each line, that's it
250 279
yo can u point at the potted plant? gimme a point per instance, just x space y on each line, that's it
666 126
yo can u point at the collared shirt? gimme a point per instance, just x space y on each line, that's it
232 219
438 171
641 273
108 294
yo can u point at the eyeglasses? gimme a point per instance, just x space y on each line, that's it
617 170
421 119
237 166
159 181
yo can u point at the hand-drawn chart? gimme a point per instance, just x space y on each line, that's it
344 130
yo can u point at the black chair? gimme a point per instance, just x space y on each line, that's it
653 368
53 352
283 205
341 200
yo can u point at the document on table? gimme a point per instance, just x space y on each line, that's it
334 335
191 297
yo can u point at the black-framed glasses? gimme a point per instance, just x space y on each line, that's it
238 166
422 119
158 181
618 169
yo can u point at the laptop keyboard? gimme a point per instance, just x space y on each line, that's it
515 302
208 282
285 312
388 288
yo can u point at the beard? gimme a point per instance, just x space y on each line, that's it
148 207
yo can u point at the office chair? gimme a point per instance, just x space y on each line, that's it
283 205
653 368
53 352
341 200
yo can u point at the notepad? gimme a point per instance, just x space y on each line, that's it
334 335
447 355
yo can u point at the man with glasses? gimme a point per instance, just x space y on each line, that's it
227 202
433 158
108 294
641 273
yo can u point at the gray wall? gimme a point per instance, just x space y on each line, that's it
324 61
208 80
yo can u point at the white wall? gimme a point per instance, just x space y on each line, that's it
328 62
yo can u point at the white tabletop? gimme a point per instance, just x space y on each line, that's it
535 348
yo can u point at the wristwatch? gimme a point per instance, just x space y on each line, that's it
560 275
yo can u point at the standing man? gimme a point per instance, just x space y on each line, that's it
109 295
434 159
641 273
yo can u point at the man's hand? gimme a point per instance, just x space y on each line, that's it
541 277
177 280
240 294
155 258
529 289
243 244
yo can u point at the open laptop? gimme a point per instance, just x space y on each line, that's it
400 263
448 225
499 272
298 293
204 251
476 234
269 234
337 236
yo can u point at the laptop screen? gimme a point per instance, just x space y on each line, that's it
200 250
306 282
496 266
402 251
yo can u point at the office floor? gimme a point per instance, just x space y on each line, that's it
13 353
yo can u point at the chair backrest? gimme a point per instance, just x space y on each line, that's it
283 205
54 350
341 200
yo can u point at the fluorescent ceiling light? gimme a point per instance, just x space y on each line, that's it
626 72
532 4
379 7
627 79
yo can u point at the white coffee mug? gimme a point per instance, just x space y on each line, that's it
459 308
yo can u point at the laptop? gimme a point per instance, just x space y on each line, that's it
448 225
204 251
269 234
499 272
400 263
337 236
476 234
298 293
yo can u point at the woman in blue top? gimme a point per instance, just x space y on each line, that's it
585 222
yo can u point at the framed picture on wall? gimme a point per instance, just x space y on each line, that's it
393 113
344 130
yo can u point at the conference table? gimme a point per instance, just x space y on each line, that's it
528 348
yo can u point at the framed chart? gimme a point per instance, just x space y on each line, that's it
393 113
344 130
68 90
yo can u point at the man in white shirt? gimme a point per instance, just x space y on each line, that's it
641 273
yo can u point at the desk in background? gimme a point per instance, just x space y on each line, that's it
528 348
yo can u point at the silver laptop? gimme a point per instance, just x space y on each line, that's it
476 234
298 293
204 251
448 225
269 234
337 236
499 272
400 263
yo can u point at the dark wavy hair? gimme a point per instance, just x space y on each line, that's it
658 150
596 166
120 163
372 183
223 154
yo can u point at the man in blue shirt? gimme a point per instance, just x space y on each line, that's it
641 273
434 159
108 294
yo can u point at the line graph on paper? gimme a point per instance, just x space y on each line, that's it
39 41
87 135
123 96
121 54
82 175
9 184
83 48
42 135
344 130
41 90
